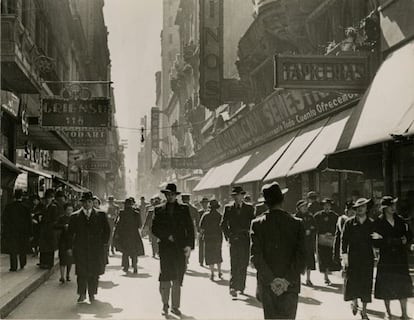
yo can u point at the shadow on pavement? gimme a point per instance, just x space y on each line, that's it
309 300
193 273
137 275
250 300
332 288
223 282
183 316
375 313
113 267
99 308
107 284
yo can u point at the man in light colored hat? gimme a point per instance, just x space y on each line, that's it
278 253
89 231
235 225
174 228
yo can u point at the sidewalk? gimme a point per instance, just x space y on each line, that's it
16 286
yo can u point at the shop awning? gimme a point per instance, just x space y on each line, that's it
8 164
222 175
263 159
35 171
325 143
388 99
70 185
405 127
298 146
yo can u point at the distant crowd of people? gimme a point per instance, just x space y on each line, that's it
280 245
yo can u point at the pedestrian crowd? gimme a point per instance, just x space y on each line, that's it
281 246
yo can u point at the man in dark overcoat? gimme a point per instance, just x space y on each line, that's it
47 234
17 230
174 228
201 244
127 230
236 225
278 253
89 233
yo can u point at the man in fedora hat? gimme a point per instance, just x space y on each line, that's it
278 253
112 214
314 205
326 221
89 232
201 244
174 228
236 225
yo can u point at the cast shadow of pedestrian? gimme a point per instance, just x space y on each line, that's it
107 284
99 308
137 275
183 316
376 313
250 300
113 267
193 273
223 282
333 288
309 300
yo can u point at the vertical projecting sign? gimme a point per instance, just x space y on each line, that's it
155 128
211 52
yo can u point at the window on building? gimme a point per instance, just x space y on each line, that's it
170 38
8 6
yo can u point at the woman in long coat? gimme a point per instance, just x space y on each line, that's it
393 281
326 223
213 238
357 254
309 224
129 238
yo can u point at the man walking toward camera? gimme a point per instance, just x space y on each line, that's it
278 253
89 232
235 226
174 228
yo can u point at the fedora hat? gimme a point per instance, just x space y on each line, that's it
273 193
171 188
301 203
237 190
214 204
361 202
204 200
87 196
387 201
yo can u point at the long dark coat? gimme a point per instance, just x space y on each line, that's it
176 223
88 240
393 279
326 223
47 233
17 228
127 232
357 243
278 248
309 225
212 235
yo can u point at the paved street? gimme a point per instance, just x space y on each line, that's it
123 296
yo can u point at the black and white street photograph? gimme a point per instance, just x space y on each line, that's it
207 159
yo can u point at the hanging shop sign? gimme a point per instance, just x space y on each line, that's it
87 138
211 52
10 103
155 128
98 165
179 163
58 113
280 113
317 72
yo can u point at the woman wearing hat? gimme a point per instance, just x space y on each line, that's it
213 238
358 257
310 236
348 213
393 237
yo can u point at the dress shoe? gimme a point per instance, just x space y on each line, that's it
81 298
165 310
67 278
125 270
212 277
61 280
176 311
309 283
12 270
135 270
354 307
220 275
91 298
364 316
233 293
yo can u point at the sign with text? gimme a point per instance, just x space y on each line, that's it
58 113
10 103
155 128
98 165
211 52
278 114
321 72
89 137
180 163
